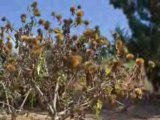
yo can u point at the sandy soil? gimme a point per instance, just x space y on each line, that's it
144 110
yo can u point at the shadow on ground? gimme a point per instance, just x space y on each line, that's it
142 110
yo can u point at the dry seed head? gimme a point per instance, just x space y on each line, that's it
9 45
86 22
10 68
56 30
8 26
53 14
79 21
103 41
78 7
89 33
79 13
75 60
133 95
41 22
122 93
89 51
90 67
151 64
1 33
94 42
3 19
111 99
125 49
34 4
119 44
11 61
37 50
8 38
47 25
35 41
23 18
139 61
72 9
58 17
59 36
25 38
39 38
74 37
36 13
50 30
129 56
138 91
70 21
7 51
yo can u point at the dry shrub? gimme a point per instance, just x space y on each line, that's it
63 73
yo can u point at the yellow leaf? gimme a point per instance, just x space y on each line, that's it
108 71
98 107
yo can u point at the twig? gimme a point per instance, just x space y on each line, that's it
20 109
7 100
41 93
7 105
55 96
119 102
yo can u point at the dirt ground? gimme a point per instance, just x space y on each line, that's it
144 110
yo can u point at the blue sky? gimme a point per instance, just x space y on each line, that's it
98 12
